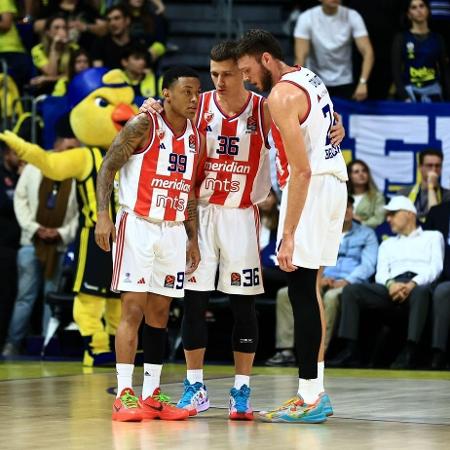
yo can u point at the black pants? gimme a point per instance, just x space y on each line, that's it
8 283
363 296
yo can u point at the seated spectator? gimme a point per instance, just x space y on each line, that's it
84 22
79 61
47 212
11 47
51 56
274 278
427 192
148 27
419 59
438 218
408 265
10 168
369 201
137 73
355 264
324 34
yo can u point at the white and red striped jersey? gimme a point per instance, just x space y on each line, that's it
315 126
236 171
156 180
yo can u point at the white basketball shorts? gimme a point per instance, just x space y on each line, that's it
148 256
228 239
319 230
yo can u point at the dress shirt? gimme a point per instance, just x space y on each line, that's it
421 252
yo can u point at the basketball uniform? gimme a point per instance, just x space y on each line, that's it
232 179
319 230
154 184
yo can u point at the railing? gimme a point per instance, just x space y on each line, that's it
227 27
4 100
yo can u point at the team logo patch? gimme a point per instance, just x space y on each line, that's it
127 278
251 125
192 142
235 279
169 281
208 116
160 133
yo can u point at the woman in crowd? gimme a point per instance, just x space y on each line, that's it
369 201
419 59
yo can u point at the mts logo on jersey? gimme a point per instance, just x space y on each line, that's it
166 202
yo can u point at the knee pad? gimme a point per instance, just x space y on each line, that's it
245 328
194 330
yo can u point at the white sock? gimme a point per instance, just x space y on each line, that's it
309 390
152 378
195 376
320 368
240 380
124 377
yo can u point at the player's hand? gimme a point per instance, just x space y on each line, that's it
151 106
104 229
192 256
337 132
285 253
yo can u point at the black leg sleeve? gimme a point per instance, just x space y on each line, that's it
194 331
245 328
154 344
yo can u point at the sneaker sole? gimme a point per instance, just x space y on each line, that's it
319 418
119 418
241 416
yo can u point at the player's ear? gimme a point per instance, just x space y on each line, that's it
266 57
166 94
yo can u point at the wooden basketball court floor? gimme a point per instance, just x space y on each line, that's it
56 405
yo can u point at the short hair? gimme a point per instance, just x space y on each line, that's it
223 51
133 50
122 8
174 73
430 152
256 42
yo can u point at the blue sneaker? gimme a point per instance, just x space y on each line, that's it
239 407
194 399
295 410
326 404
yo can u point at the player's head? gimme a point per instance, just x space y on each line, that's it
258 54
225 74
181 90
430 160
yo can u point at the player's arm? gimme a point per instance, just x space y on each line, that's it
132 136
287 105
75 163
365 49
191 222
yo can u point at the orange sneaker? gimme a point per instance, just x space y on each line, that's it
157 407
126 407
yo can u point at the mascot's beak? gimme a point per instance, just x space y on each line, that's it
121 114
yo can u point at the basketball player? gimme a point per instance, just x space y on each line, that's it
313 173
157 155
231 181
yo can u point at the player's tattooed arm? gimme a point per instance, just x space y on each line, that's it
191 223
132 136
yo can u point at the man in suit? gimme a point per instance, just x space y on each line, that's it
438 218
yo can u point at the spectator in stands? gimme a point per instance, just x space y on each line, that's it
356 262
84 22
382 18
427 192
325 34
79 60
419 59
438 218
369 201
11 47
273 277
9 237
47 212
51 56
408 265
148 27
137 73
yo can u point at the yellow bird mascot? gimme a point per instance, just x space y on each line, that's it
101 103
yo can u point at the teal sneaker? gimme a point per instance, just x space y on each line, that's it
326 404
194 399
239 406
295 410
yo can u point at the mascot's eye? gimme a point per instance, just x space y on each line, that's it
100 101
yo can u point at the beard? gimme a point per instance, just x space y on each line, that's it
266 79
